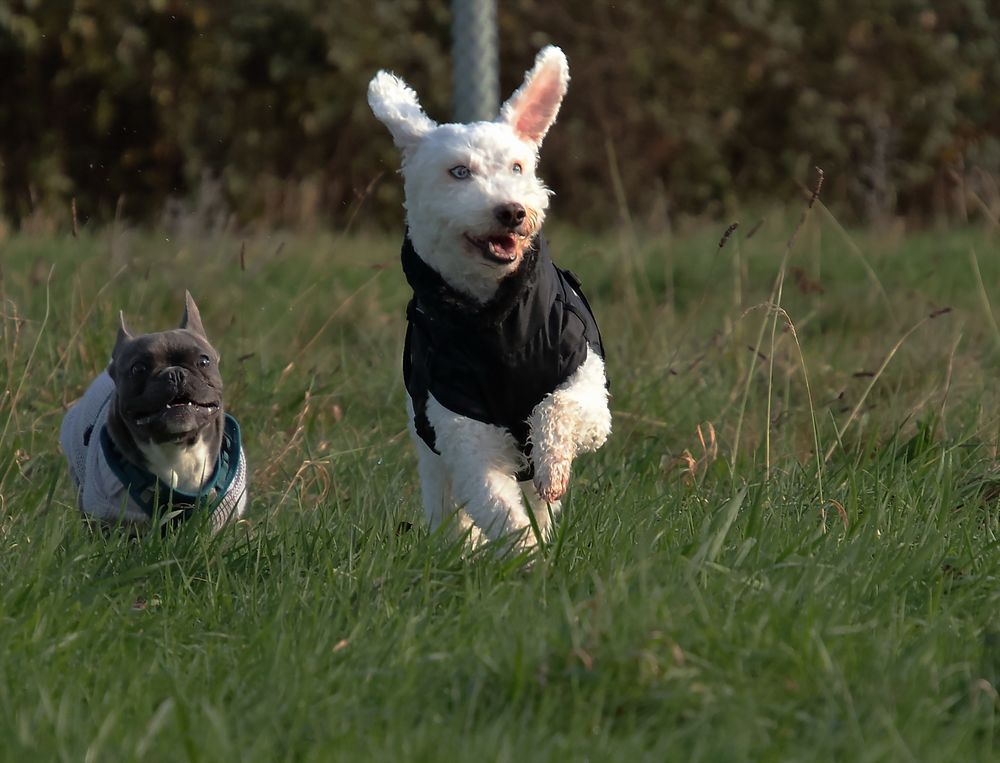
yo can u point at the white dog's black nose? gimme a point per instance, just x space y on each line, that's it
510 215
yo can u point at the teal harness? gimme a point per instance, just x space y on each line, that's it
146 489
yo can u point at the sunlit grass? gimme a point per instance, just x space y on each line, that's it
705 598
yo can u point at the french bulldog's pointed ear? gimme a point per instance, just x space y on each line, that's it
397 107
532 109
124 335
191 320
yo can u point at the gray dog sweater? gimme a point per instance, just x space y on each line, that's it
112 489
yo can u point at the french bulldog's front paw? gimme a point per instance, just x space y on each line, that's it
552 480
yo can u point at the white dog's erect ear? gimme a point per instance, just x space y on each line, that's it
533 108
396 106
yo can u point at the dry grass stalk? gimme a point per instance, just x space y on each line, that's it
876 376
775 302
694 469
320 474
841 512
985 297
271 468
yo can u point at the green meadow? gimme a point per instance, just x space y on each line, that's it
787 551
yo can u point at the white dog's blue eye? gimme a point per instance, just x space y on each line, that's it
460 172
516 169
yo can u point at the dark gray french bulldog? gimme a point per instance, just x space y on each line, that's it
150 436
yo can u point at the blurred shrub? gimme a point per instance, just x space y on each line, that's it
256 111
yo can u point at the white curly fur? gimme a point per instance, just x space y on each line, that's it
480 461
397 107
472 482
573 419
441 211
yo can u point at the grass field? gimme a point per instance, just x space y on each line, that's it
787 552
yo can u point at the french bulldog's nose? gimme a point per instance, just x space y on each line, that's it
510 215
175 375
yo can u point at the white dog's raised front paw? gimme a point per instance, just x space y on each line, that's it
552 479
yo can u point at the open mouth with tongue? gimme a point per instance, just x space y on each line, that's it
502 247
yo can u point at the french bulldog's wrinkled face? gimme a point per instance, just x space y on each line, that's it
168 384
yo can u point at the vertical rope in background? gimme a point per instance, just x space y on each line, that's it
474 60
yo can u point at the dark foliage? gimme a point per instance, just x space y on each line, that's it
256 111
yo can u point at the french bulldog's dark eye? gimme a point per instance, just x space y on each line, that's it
460 172
138 369
204 361
516 169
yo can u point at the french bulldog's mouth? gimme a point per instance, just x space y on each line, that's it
502 247
179 405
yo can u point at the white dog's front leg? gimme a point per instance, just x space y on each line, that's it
573 419
435 488
482 461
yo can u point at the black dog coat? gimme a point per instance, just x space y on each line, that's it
494 362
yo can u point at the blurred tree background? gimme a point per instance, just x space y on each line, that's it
254 112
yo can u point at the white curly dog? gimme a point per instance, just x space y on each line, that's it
504 366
